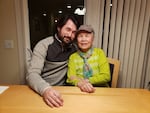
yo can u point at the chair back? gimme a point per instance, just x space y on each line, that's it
114 71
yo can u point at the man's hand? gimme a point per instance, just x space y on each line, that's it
86 86
52 98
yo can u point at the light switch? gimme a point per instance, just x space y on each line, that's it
9 44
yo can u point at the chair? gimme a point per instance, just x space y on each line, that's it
114 70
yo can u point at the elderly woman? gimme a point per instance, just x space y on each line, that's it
88 67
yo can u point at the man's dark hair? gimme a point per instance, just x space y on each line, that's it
63 20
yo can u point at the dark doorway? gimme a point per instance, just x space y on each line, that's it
43 15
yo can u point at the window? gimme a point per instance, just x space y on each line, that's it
43 15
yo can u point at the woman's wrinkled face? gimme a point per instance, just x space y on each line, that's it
67 32
85 40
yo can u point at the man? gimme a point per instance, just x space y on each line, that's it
48 66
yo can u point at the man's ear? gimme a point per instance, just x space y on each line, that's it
58 29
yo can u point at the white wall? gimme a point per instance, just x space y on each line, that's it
9 57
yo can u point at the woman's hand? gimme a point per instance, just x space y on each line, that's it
85 86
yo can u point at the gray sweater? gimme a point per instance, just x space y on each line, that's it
48 65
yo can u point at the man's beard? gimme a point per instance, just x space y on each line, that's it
67 40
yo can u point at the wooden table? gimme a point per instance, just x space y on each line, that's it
21 99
